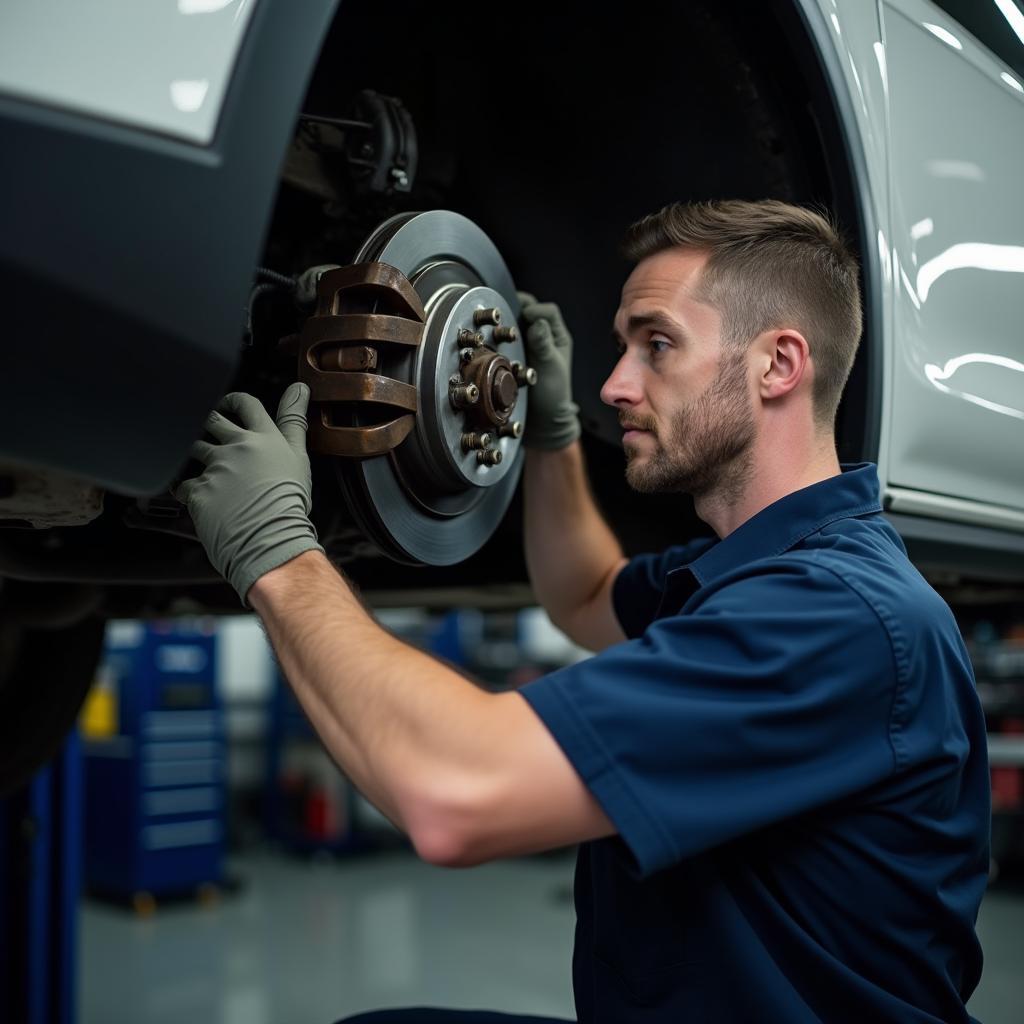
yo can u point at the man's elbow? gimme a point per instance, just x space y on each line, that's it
447 830
445 849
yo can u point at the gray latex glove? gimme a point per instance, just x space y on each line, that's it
552 421
250 505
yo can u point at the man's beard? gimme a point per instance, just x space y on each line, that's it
708 444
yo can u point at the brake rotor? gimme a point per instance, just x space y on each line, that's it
430 486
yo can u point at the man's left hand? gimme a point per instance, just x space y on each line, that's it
251 503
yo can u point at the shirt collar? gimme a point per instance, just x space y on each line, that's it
780 526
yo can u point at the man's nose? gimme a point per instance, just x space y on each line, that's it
622 386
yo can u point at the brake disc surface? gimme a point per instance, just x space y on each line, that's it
439 495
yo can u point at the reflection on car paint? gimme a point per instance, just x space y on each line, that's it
964 170
1011 81
883 71
206 6
188 95
884 256
922 228
907 286
938 375
944 34
969 256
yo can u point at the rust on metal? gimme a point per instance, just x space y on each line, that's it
359 308
360 442
380 281
361 328
347 357
482 317
361 387
473 339
496 381
489 457
474 440
463 395
504 389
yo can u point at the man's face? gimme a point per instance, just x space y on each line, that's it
684 402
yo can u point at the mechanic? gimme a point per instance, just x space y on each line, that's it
776 765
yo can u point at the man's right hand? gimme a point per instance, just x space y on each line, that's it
552 421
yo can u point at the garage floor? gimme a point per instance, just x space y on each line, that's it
307 943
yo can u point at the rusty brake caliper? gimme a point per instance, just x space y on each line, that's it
338 354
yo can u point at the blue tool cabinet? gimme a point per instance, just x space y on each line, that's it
155 788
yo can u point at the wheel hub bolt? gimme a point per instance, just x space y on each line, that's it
474 339
490 457
504 334
462 395
514 429
525 375
486 316
475 441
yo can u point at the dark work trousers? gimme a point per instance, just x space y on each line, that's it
431 1015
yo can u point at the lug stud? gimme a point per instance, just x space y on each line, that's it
473 339
475 441
514 429
526 376
462 395
490 457
504 334
486 316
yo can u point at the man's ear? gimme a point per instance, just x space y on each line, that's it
786 360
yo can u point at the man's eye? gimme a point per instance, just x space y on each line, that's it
658 345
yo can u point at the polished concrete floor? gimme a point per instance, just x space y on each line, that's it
307 943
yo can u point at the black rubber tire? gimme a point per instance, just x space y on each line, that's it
44 677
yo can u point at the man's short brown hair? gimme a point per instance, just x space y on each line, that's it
770 265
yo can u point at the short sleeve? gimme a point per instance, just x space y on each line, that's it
637 591
770 699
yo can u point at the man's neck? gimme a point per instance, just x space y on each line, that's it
766 477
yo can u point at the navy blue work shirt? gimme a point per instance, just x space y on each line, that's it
792 751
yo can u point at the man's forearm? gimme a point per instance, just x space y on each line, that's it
571 553
403 726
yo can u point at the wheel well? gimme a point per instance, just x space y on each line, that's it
554 131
